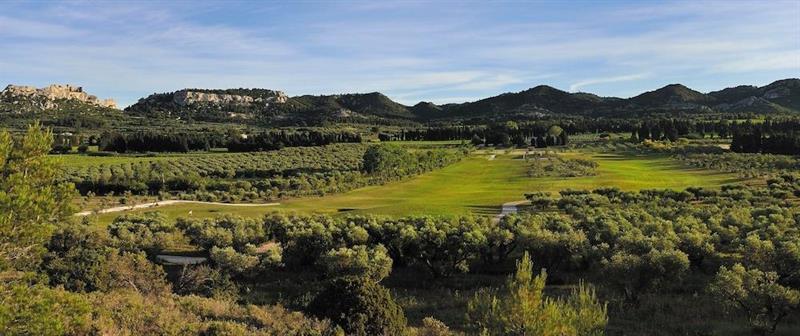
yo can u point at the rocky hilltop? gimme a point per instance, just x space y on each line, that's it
274 107
209 105
190 97
781 96
50 96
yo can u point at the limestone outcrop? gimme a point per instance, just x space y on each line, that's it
189 97
52 93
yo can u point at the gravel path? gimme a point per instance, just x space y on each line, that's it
169 202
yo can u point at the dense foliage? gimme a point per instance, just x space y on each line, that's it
32 203
269 175
360 306
557 166
768 137
204 141
746 164
104 283
521 308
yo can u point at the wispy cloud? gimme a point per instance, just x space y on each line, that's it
595 81
409 50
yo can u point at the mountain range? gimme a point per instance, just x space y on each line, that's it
245 105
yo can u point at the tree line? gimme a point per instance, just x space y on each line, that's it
768 137
234 142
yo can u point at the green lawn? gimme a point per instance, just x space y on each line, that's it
478 185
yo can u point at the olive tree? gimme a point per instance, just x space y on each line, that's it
446 246
633 275
360 306
756 294
373 263
521 308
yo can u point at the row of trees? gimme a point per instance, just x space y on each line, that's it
655 129
773 138
505 134
185 142
157 142
294 171
271 140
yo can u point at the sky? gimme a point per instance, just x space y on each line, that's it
442 51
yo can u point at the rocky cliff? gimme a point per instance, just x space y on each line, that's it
48 97
209 105
189 97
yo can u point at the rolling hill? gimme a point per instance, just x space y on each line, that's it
271 107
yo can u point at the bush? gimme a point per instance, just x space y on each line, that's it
360 306
79 259
61 149
228 318
223 232
522 309
633 275
432 327
207 282
361 261
231 261
133 271
39 310
149 232
75 258
757 294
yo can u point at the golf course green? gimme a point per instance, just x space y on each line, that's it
479 184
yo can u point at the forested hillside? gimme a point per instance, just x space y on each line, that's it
538 102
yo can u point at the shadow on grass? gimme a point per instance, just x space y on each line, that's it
485 209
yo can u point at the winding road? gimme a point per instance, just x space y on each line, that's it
168 202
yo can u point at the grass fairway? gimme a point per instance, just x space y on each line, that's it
478 185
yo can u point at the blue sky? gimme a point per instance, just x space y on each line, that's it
443 51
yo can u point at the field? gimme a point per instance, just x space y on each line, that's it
480 185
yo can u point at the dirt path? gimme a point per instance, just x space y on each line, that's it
168 202
509 208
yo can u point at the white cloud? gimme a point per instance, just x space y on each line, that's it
594 81
789 60
412 51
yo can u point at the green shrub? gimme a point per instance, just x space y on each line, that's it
757 295
521 308
39 310
206 281
233 262
362 261
360 306
75 258
149 232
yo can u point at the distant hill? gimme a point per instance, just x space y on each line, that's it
271 107
782 96
208 105
347 106
53 98
538 101
57 104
